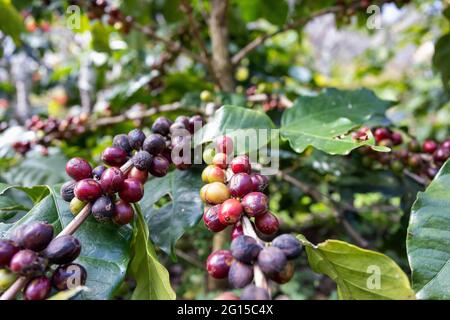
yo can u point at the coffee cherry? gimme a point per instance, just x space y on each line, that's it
285 275
211 219
132 191
259 182
230 211
7 278
255 204
162 126
252 292
382 134
114 156
271 260
240 185
112 180
441 155
267 223
76 205
218 263
195 122
431 172
78 169
220 160
141 175
103 209
159 166
142 160
184 120
245 249
396 138
227 295
124 213
121 141
136 138
67 193
289 244
237 231
203 193
224 144
63 249
88 190
240 275
446 144
429 146
208 155
7 250
215 193
213 174
177 129
98 171
415 161
154 144
27 263
34 236
241 164
38 288
67 275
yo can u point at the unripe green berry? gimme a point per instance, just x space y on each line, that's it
76 205
7 278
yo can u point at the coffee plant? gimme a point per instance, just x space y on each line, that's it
223 149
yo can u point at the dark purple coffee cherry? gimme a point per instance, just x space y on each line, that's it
103 209
7 250
271 260
259 182
98 171
88 190
255 204
285 275
112 180
159 166
240 275
178 129
211 219
124 213
142 160
63 249
132 191
252 292
154 144
431 172
240 184
184 120
136 138
195 122
78 169
218 263
114 156
290 245
121 141
34 235
69 275
429 146
245 249
38 288
162 126
441 155
267 223
27 263
67 191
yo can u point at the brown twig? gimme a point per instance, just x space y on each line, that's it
415 177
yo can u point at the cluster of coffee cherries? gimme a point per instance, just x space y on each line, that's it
102 185
234 193
45 261
424 160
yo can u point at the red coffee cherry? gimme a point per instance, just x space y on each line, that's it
141 175
88 190
7 250
27 263
132 191
429 146
112 180
211 219
382 134
396 138
237 231
267 223
38 288
224 144
78 169
240 184
218 263
241 164
259 182
230 212
114 156
124 213
255 204
220 160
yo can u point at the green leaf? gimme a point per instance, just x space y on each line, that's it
100 37
324 121
357 270
273 11
236 122
428 239
440 58
11 22
152 278
169 222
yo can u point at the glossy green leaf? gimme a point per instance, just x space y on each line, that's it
11 22
441 58
428 239
325 121
360 274
152 278
169 222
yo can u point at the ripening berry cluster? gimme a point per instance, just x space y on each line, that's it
31 252
233 192
148 154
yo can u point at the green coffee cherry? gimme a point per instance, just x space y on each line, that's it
205 96
208 155
76 205
7 278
